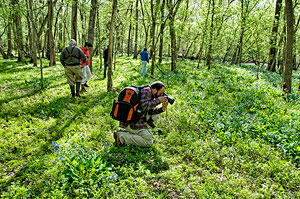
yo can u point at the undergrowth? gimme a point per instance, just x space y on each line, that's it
231 133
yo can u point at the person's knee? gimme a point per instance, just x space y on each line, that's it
148 142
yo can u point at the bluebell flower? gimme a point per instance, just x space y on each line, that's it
61 158
108 145
57 152
55 145
108 185
55 160
114 176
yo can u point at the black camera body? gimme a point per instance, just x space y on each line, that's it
170 100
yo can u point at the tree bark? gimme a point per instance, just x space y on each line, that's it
288 64
273 37
136 29
74 20
210 42
129 31
50 34
110 46
91 31
9 42
152 33
172 36
18 29
162 27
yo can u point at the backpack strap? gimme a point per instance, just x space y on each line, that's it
70 53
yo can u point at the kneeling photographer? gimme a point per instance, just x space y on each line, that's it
137 133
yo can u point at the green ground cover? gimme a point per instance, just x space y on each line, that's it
229 134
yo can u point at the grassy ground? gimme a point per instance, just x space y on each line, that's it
229 134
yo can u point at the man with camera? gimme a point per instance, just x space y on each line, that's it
137 133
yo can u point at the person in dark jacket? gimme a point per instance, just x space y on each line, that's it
105 57
145 60
70 59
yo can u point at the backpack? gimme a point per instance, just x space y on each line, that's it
126 107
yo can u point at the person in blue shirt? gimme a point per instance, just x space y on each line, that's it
145 60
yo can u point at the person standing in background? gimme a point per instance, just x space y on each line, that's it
105 57
70 59
144 59
85 66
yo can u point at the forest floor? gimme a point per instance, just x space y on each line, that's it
231 133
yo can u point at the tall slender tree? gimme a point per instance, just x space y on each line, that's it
91 30
74 20
288 64
136 29
273 37
110 46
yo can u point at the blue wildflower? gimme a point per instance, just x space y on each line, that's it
55 145
57 152
108 145
108 185
61 158
114 176
55 160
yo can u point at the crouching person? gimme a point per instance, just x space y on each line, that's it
137 133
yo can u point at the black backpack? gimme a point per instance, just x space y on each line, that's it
126 107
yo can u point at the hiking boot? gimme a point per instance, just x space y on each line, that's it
72 91
86 85
117 139
83 88
77 89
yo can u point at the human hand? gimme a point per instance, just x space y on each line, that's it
162 99
164 105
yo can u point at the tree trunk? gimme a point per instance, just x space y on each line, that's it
18 30
146 27
162 27
74 20
2 52
129 32
273 37
110 46
50 34
91 32
172 36
136 29
288 64
152 33
238 57
199 55
9 42
210 46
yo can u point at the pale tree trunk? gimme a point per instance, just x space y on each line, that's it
199 55
172 36
129 31
162 27
91 31
136 29
273 37
288 64
146 26
37 40
18 30
152 33
110 46
239 54
50 34
9 42
74 20
2 51
210 42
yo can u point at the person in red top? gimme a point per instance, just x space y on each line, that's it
85 66
137 133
